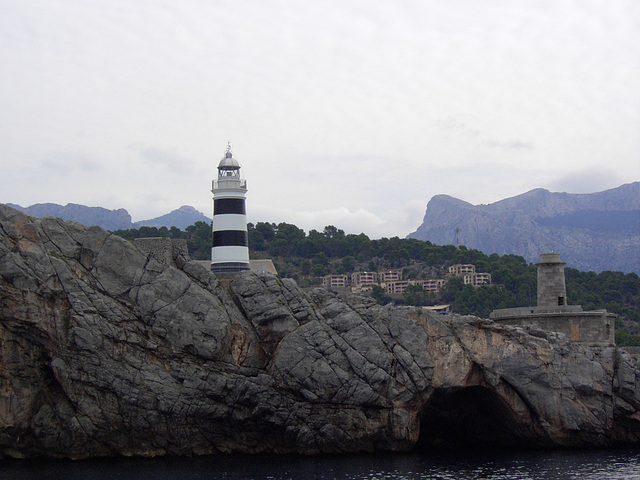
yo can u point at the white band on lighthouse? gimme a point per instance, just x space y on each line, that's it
230 249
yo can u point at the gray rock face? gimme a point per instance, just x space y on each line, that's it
597 231
104 351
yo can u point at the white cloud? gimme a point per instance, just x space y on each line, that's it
339 111
588 180
399 221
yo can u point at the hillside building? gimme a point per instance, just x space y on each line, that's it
335 281
396 288
460 270
469 275
362 281
433 285
399 287
392 283
389 276
477 279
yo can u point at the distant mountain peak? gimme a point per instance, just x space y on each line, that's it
597 231
187 208
180 218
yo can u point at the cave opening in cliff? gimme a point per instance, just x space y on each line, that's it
467 418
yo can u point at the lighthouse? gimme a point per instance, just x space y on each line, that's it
230 250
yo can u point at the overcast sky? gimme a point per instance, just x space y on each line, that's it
352 113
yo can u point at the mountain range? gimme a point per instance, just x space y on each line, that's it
113 219
596 231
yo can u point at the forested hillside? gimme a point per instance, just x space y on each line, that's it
308 256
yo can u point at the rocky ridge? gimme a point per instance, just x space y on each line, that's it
104 351
113 219
102 217
597 231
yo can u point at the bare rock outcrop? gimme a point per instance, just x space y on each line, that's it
596 231
104 351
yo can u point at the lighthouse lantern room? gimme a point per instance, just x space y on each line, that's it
230 250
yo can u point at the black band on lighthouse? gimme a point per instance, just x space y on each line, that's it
223 206
230 238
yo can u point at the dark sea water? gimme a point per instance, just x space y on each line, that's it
617 464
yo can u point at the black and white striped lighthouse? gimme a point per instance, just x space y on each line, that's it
230 251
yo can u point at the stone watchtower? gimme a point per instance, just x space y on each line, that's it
554 314
552 290
230 250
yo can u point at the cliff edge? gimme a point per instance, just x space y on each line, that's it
104 351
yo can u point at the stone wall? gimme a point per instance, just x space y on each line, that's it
518 311
595 328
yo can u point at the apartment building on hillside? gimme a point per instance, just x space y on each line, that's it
335 281
392 283
361 279
459 270
477 279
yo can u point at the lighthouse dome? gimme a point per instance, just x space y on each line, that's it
228 162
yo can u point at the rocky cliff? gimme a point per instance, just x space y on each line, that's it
104 351
597 231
